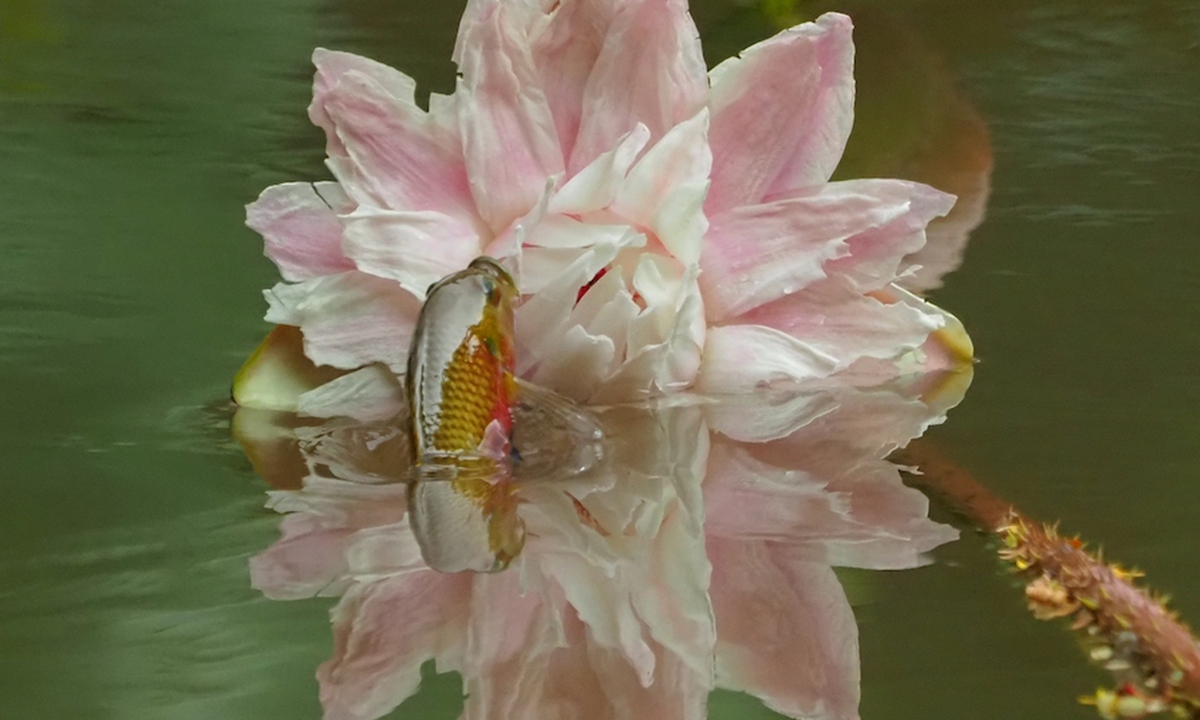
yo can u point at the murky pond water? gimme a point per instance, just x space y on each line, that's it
132 134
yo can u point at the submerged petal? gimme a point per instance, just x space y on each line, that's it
804 663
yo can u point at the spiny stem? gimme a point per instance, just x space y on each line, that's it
1152 655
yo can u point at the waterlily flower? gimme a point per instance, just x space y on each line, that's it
689 559
668 227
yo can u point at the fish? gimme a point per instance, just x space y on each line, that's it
461 385
461 390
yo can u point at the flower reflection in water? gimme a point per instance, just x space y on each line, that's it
698 550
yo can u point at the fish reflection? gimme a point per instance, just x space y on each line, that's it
696 549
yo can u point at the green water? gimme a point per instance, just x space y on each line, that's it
132 133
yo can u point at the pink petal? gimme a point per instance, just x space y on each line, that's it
877 253
565 53
348 320
845 326
860 228
508 133
665 190
741 358
868 517
671 590
564 674
782 112
857 513
310 558
587 681
786 631
395 157
307 561
900 515
650 71
299 224
750 499
416 249
331 66
603 603
383 632
510 638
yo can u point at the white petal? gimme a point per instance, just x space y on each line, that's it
665 190
544 317
348 320
372 393
740 358
415 249
595 186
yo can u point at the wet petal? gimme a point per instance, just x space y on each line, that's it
782 112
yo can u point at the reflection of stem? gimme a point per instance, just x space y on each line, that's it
1152 654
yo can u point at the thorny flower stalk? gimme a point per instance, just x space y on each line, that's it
1125 628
